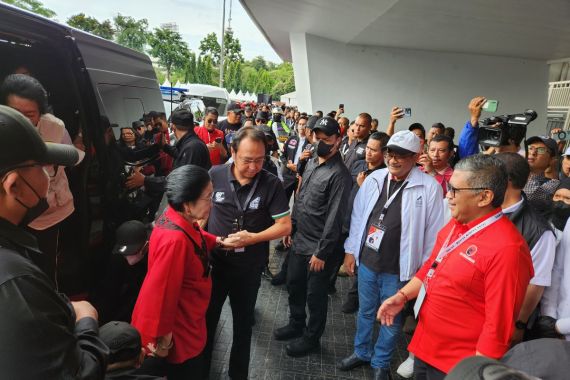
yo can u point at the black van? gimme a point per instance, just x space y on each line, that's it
92 83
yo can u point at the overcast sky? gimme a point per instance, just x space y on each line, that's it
195 19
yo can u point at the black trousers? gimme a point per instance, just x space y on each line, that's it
424 371
189 369
308 288
241 286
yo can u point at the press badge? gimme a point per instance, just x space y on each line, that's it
375 235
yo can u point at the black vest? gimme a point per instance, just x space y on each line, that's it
530 224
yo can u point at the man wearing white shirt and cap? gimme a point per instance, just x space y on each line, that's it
395 219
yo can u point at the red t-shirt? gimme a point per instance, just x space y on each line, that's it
474 296
175 294
208 137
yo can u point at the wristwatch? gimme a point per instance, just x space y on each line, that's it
520 325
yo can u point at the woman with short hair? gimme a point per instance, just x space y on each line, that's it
170 312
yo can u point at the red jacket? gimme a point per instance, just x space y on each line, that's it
175 294
474 296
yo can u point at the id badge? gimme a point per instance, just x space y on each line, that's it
419 300
375 235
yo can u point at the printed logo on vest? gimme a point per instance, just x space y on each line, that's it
219 197
254 204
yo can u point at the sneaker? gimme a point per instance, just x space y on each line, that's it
406 369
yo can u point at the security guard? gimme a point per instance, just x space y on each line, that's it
249 203
43 335
318 214
279 127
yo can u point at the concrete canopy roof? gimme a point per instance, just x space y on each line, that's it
512 28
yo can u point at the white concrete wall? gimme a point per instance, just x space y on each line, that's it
437 86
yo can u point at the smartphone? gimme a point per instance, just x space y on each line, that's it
407 111
490 105
218 140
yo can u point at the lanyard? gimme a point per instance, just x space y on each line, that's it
447 249
390 199
249 195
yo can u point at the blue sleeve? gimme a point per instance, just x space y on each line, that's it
468 144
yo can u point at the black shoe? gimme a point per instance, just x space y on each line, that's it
301 347
350 305
351 362
287 332
382 374
279 279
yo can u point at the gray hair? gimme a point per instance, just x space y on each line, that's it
488 172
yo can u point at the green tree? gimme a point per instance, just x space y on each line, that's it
190 70
208 71
232 47
170 50
92 25
209 46
130 32
258 63
33 6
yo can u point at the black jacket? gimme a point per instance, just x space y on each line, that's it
38 333
320 207
290 149
188 150
529 222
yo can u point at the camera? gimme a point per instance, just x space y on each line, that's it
560 136
510 127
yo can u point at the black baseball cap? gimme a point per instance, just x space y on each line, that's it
262 115
483 368
311 122
131 236
20 142
328 125
550 143
123 340
234 107
182 117
137 124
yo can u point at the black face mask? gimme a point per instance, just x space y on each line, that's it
560 214
33 212
323 149
277 118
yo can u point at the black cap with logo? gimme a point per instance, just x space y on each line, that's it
328 125
21 142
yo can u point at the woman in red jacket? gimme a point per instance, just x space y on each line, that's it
170 312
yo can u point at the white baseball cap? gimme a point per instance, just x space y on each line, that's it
403 142
567 152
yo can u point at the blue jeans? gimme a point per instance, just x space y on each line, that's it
373 289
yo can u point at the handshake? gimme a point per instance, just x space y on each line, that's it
238 239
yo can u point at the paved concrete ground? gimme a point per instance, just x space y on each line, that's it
268 357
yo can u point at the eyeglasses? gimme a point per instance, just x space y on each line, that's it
208 198
538 150
391 155
50 170
211 121
249 161
454 190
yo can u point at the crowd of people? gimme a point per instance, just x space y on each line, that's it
463 245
